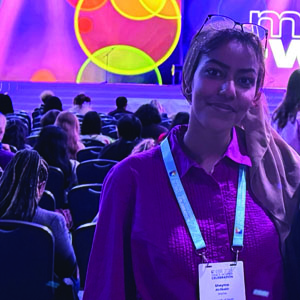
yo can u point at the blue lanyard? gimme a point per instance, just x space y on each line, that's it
187 211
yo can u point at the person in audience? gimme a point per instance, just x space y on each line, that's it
5 154
160 108
52 146
286 117
121 103
52 102
70 124
179 119
21 187
129 132
43 96
81 104
91 128
49 117
150 119
6 106
16 132
145 144
167 215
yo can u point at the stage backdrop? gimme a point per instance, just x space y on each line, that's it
281 18
89 40
130 40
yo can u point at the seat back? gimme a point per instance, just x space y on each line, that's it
94 170
84 203
32 140
55 184
92 143
88 153
26 261
82 239
47 201
110 130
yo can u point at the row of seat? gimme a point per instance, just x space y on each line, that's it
89 171
29 273
83 202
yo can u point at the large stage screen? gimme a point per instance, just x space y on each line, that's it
281 18
89 40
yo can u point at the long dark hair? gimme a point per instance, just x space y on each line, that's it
288 108
52 146
91 123
19 183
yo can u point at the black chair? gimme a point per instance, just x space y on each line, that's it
107 120
47 201
26 261
82 239
13 149
94 170
88 153
110 130
166 123
92 143
55 184
32 140
84 203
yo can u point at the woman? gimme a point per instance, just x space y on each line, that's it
286 116
70 124
91 128
79 106
227 156
150 119
52 146
21 187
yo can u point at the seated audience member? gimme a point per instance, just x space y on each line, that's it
121 103
6 106
70 124
52 102
52 146
5 154
143 145
91 128
49 117
21 187
43 96
286 117
180 118
15 134
160 108
150 119
79 107
129 132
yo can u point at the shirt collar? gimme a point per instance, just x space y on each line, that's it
236 150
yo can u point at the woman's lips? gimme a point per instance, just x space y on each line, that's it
222 107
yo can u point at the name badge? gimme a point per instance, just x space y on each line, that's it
222 281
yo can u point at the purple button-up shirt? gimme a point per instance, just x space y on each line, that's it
142 245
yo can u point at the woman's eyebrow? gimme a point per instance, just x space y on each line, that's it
222 65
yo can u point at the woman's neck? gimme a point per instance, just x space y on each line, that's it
206 147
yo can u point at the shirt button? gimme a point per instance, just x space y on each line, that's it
224 249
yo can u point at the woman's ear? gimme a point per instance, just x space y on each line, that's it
188 94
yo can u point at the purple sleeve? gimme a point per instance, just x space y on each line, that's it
110 273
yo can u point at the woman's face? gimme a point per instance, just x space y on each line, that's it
224 87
